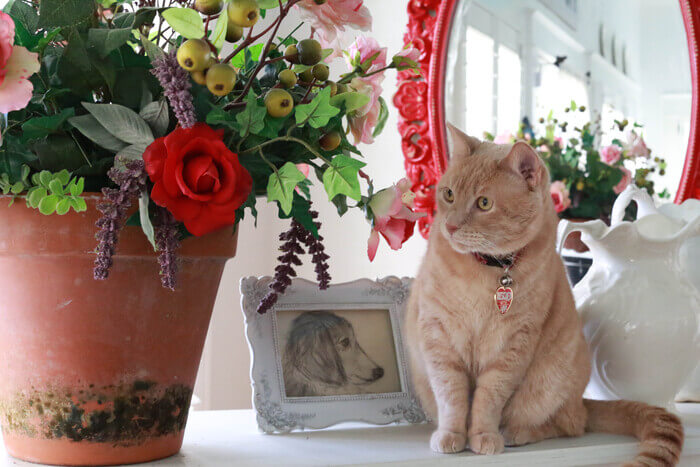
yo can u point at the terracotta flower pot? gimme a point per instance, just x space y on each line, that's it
98 372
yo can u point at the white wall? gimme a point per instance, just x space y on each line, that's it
224 381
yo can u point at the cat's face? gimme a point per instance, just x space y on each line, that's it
492 199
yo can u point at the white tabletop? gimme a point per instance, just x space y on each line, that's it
227 438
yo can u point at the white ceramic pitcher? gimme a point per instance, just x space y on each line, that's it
640 311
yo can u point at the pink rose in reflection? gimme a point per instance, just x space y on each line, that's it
636 147
504 138
329 20
17 64
624 182
610 154
393 217
560 196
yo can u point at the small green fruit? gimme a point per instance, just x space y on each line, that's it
199 77
244 13
306 76
320 71
279 103
309 51
193 55
330 141
287 78
221 79
342 88
208 7
334 87
291 54
233 32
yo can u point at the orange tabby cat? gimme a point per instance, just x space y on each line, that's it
487 378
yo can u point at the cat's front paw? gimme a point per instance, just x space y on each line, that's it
486 443
448 442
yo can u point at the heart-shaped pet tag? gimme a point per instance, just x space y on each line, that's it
503 298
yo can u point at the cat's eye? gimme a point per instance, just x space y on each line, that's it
345 343
448 195
484 203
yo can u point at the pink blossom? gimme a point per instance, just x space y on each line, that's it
409 52
558 141
329 20
504 138
363 120
636 147
560 196
393 217
17 64
610 154
624 182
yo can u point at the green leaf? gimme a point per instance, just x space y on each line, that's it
24 13
252 118
91 128
107 40
44 41
152 50
381 120
63 206
63 176
45 178
122 122
65 13
157 117
48 204
185 21
351 100
281 185
318 112
38 127
238 61
17 188
129 153
300 212
79 204
56 187
219 33
341 177
146 224
218 116
77 187
35 195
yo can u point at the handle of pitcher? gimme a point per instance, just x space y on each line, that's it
645 205
564 228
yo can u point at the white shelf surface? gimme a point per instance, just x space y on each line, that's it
231 438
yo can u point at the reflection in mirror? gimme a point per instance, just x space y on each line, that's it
550 62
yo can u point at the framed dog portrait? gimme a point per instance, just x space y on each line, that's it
325 357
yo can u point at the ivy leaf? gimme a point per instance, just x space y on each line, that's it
146 224
300 212
341 177
65 13
381 120
185 21
38 127
351 100
107 40
219 33
280 186
238 61
122 122
318 112
218 116
252 119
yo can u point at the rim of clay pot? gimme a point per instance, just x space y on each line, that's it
25 231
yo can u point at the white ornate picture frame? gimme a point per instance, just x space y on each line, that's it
278 413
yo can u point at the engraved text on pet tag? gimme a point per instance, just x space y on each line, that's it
503 297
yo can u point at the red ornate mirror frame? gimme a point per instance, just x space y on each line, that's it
420 101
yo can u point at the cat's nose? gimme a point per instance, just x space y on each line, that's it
451 229
377 372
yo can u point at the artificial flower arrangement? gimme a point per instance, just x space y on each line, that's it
138 100
587 176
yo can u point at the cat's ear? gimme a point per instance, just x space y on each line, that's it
459 143
523 160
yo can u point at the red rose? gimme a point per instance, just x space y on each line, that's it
197 178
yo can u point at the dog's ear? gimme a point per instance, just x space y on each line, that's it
320 360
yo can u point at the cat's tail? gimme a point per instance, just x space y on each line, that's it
660 433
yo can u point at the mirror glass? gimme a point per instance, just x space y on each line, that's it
546 67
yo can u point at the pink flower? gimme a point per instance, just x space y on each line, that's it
636 147
504 138
329 20
610 154
17 64
393 217
408 52
624 182
363 120
560 196
558 141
